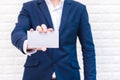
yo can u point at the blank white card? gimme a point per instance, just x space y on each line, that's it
38 40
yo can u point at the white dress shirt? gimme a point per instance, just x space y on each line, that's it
56 13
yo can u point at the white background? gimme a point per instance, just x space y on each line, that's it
105 23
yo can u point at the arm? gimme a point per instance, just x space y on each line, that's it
19 34
85 37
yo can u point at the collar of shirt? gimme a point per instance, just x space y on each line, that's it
51 7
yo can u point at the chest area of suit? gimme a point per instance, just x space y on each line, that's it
38 18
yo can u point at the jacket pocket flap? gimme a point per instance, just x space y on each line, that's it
31 63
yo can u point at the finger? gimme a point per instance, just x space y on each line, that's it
31 49
44 28
50 29
39 49
42 49
39 29
31 30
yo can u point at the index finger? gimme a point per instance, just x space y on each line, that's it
44 28
50 29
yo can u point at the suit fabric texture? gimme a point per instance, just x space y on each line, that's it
63 60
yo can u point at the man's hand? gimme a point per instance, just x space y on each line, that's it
41 29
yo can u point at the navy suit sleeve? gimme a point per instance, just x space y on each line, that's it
85 37
19 34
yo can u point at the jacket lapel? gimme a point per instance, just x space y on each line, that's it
46 13
66 11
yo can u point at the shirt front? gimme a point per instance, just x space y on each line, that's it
55 12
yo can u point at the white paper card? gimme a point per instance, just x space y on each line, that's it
38 40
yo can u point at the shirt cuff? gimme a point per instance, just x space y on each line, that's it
25 49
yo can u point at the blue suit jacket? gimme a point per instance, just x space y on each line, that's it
63 61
